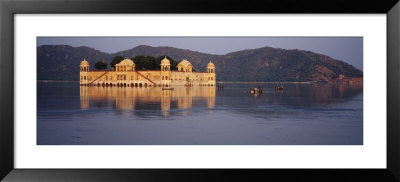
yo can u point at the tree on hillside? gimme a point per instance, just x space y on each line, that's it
100 65
146 63
116 60
151 63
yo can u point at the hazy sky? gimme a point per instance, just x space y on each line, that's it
348 49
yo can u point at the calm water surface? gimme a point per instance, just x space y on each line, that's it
301 114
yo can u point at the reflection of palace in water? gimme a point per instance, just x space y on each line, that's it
127 97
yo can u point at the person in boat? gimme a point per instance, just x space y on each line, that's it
259 87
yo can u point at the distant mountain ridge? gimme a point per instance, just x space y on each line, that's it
61 62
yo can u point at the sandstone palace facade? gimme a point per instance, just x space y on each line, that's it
124 74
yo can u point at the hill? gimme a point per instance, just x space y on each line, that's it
61 62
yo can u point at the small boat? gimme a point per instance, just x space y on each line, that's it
255 90
167 88
278 87
220 85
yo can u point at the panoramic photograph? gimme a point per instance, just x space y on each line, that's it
199 90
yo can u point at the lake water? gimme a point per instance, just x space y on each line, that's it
301 114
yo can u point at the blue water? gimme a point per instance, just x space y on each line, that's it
301 114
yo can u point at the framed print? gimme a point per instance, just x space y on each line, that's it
154 90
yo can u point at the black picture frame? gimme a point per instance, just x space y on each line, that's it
8 8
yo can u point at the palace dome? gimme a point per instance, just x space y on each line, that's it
210 65
185 63
84 63
126 62
165 61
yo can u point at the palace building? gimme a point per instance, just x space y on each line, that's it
125 74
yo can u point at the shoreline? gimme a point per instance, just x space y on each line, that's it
218 82
57 81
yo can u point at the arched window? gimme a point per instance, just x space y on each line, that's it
162 77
